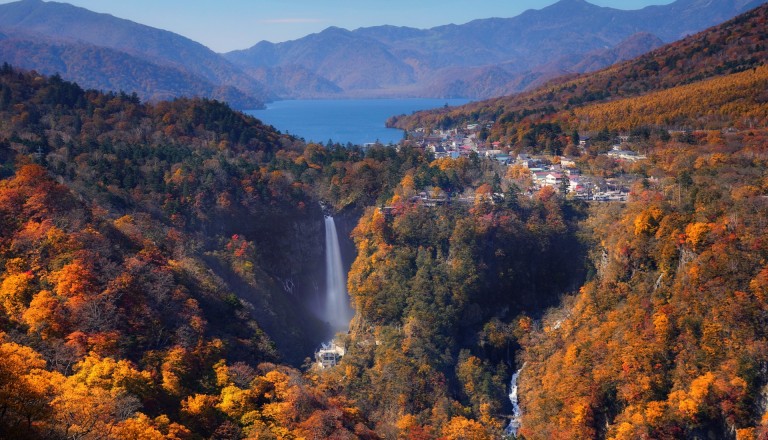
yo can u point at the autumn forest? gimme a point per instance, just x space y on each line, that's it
158 260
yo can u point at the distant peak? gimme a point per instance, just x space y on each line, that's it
335 32
574 2
571 4
335 29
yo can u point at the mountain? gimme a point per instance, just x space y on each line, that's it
733 47
164 51
504 79
294 81
628 49
479 59
331 54
485 57
102 68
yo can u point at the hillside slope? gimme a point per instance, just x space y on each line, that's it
154 261
102 68
67 24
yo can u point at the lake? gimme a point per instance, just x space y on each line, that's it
356 121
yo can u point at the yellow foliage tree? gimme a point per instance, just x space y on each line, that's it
461 428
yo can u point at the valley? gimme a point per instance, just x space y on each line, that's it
584 259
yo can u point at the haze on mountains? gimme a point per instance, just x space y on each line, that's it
488 57
104 52
482 58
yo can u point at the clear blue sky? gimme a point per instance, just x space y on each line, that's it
226 25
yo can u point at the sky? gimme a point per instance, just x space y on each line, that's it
225 25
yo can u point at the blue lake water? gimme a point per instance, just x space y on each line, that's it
357 121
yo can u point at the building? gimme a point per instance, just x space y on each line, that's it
329 355
553 179
504 159
628 155
567 163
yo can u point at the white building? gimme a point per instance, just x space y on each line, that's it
329 355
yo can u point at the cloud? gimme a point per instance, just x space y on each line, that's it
292 20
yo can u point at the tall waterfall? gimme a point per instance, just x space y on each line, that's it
517 413
337 311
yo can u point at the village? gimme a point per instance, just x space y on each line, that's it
559 171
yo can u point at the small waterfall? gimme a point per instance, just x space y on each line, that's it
336 311
517 413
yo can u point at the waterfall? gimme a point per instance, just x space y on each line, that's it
517 413
337 311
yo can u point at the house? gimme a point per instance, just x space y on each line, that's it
567 163
329 355
553 179
540 177
504 159
576 184
625 155
527 161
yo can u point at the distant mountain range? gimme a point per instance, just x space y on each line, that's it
672 86
482 58
488 57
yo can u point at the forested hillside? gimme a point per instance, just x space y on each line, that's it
668 339
157 262
145 254
435 290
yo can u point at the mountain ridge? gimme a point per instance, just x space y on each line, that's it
729 48
66 22
103 68
442 57
479 59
